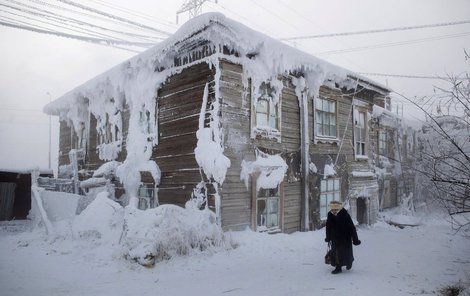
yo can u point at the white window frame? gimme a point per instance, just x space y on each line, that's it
80 140
321 113
330 190
383 136
267 129
360 147
106 135
146 196
265 218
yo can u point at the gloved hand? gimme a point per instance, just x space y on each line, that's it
356 242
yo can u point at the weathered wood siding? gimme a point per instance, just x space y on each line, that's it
68 140
236 112
323 152
65 143
179 103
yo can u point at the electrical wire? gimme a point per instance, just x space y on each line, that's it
106 42
276 15
363 32
63 19
134 13
55 25
115 17
391 44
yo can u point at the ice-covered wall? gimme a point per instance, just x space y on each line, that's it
135 83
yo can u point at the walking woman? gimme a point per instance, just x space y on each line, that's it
340 232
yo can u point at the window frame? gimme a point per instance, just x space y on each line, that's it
364 148
382 142
266 93
334 192
318 113
254 206
106 134
149 199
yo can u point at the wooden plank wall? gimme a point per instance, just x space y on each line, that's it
179 103
322 153
236 197
65 143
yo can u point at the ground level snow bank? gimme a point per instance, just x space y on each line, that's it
168 230
144 236
102 219
389 262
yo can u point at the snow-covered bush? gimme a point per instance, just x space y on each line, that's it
168 230
102 219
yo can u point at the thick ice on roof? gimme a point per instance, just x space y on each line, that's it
134 84
272 55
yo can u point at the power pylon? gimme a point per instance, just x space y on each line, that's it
194 7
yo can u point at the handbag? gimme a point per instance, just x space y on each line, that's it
329 255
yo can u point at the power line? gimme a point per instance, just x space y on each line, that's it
115 17
82 13
316 25
134 12
276 15
106 42
403 76
406 28
391 44
64 20
54 24
234 12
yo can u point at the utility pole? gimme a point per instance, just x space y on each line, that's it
193 6
50 131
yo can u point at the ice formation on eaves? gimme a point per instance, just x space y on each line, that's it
135 83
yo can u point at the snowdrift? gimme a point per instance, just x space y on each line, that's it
168 230
152 235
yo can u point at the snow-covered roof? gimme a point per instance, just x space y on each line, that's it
42 171
271 55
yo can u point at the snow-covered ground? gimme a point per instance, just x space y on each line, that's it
390 261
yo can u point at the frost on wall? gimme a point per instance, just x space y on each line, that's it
132 86
266 96
271 170
209 150
328 171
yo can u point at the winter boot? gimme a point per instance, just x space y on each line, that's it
348 267
337 270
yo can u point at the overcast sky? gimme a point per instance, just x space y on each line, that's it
36 68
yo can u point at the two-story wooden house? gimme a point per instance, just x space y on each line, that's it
265 134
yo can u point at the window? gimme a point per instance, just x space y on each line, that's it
267 111
108 132
267 209
360 132
325 112
146 197
79 138
383 142
329 191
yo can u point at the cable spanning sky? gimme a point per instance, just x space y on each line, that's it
51 46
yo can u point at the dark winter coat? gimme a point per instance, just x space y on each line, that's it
341 232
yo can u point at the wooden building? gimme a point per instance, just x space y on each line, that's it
257 98
15 192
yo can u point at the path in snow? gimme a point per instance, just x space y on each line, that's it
390 261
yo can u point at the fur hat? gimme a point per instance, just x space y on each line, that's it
336 205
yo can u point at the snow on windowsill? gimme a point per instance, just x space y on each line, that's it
326 140
360 174
266 132
362 157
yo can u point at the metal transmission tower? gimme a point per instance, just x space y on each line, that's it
193 6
